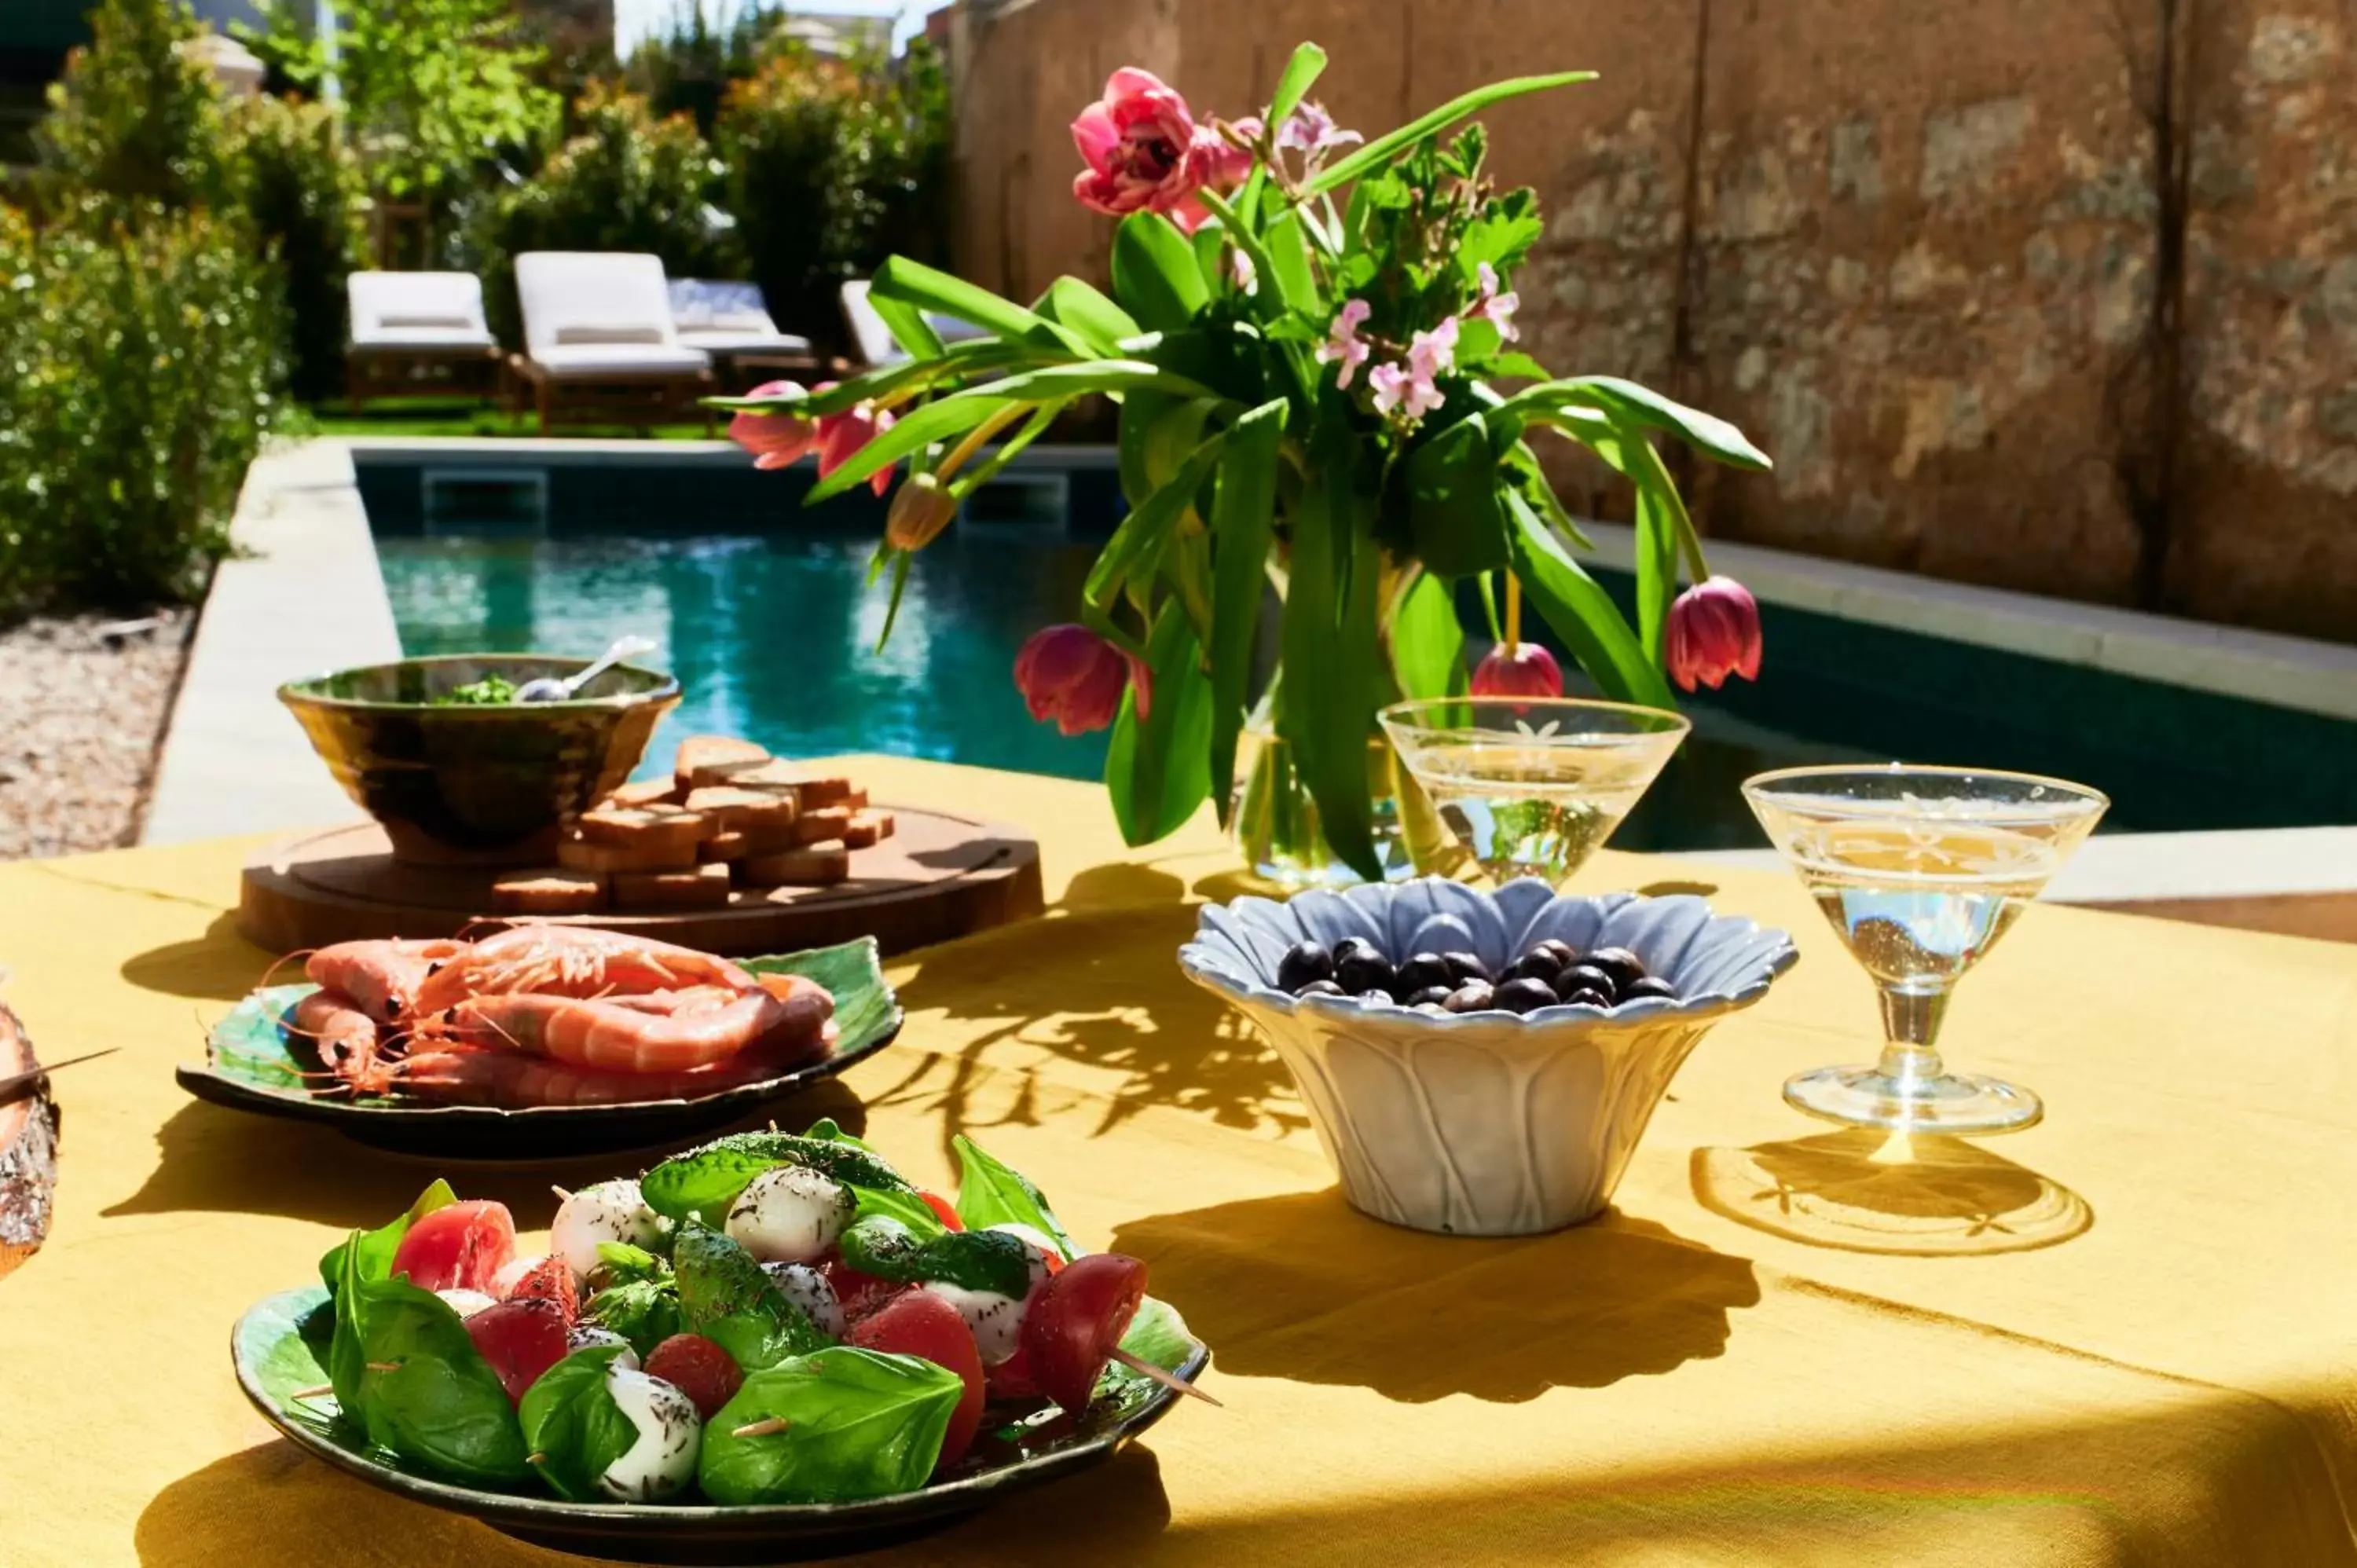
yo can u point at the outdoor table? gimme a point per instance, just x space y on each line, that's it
2178 1383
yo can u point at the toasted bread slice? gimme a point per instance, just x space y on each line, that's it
748 843
816 867
776 774
867 828
577 853
831 790
551 891
646 792
672 829
706 887
732 810
818 827
708 759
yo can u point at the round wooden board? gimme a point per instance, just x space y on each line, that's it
936 878
28 1151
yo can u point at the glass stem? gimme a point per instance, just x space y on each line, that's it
1910 1024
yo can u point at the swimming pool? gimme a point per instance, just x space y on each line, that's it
763 611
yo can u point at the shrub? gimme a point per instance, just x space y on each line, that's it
628 182
303 191
142 370
134 122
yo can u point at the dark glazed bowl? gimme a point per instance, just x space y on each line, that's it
479 785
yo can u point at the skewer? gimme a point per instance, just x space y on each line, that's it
323 1390
535 1458
1144 1369
768 1428
382 1366
562 1196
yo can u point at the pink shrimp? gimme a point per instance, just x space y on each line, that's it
348 1039
382 978
573 960
597 1034
471 1075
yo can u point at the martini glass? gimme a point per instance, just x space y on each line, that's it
1921 870
1522 785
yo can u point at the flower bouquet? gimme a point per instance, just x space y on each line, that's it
1312 341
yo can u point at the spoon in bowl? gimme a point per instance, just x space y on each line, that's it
549 689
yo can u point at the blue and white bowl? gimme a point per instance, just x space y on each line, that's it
1487 1123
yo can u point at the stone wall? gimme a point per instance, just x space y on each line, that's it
2059 297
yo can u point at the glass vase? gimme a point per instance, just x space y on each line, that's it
1276 821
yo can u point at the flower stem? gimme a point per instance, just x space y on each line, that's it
1513 613
980 434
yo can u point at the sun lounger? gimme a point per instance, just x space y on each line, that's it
730 321
874 340
403 323
598 337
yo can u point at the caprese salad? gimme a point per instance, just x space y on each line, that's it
770 1319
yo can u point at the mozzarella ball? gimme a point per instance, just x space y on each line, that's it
466 1302
997 1320
662 1460
586 1335
790 1215
1040 1241
809 1289
611 1211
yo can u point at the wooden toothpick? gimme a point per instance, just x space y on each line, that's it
768 1428
1149 1369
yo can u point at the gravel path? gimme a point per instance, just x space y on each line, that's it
82 705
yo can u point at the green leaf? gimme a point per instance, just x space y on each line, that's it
1244 517
1137 543
1379 152
1301 72
702 1183
1101 324
991 1192
857 1424
725 1296
644 1312
1582 613
865 1010
1289 256
1157 768
442 1406
1660 516
1428 641
989 1261
972 357
928 288
346 1351
373 1250
917 429
1452 501
1629 403
1155 273
573 1424
908 326
1330 648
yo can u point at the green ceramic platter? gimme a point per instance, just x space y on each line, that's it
252 1064
279 1345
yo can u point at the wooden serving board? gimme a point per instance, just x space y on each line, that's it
936 878
28 1151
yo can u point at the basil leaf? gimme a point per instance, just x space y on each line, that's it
345 1353
644 1312
625 1262
725 1296
703 1182
374 1249
991 1192
825 1131
907 1207
441 1407
858 1424
972 1260
572 1425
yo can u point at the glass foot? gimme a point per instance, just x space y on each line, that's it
1955 1103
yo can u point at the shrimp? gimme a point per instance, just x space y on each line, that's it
573 960
349 1040
381 978
582 1032
469 1075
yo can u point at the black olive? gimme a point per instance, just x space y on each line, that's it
1302 962
1525 995
1321 988
1621 964
1360 966
1647 985
1379 997
1563 952
1583 997
1534 965
1465 966
1430 997
1472 996
1425 970
1585 976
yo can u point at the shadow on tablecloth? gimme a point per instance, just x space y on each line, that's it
219 966
1302 1286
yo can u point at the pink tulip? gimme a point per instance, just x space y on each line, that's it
841 435
1520 669
1142 148
775 440
1714 633
1219 162
1071 674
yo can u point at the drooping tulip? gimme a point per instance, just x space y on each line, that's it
1071 675
1518 670
922 510
840 437
1141 147
1714 633
775 440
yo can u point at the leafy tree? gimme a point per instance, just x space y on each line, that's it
134 122
304 194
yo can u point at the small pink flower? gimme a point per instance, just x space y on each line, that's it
1714 633
1311 130
1342 340
1497 309
1071 675
841 435
1241 268
1398 391
1431 355
1219 162
775 440
1142 148
1524 669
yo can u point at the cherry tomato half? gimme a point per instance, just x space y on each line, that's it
520 1339
1074 1321
699 1368
459 1246
943 1209
922 1324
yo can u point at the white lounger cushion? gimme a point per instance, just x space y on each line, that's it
717 341
729 317
572 361
417 311
877 344
614 303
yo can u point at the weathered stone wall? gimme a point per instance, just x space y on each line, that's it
1924 250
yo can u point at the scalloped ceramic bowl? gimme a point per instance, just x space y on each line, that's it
1484 1123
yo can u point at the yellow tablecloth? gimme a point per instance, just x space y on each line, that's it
1695 1379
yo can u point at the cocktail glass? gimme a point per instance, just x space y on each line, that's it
1522 785
1921 870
